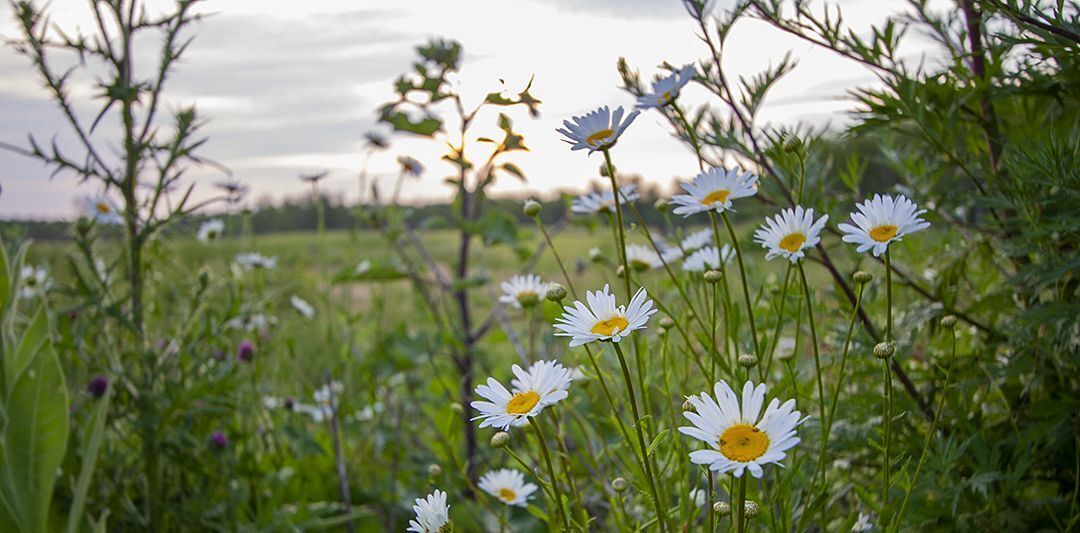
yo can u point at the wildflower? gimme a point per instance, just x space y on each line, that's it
642 258
218 439
751 509
254 261
508 486
697 497
523 291
211 230
948 321
410 165
865 522
245 352
35 281
432 514
596 130
790 233
376 141
785 348
738 439
302 306
596 255
708 258
544 384
101 209
97 386
257 322
747 360
884 350
434 470
882 220
713 276
714 190
603 201
665 90
602 320
696 240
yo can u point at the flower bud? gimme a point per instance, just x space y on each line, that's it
751 509
456 407
862 276
884 350
531 208
661 331
218 439
747 360
500 439
722 508
661 205
713 276
948 321
245 352
620 272
618 484
556 292
667 322
97 386
687 406
434 470
595 255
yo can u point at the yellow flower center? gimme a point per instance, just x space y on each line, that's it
743 443
103 208
607 327
716 196
793 242
522 402
883 233
665 99
507 495
599 137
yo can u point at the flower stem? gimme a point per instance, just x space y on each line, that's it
556 493
817 368
779 324
745 287
645 459
619 223
709 503
887 422
740 511
843 362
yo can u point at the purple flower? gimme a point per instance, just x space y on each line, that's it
219 440
245 352
290 404
97 386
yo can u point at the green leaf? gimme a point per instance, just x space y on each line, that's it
658 441
6 282
401 121
91 440
515 170
33 340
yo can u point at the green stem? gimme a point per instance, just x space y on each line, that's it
619 223
645 459
740 511
745 287
779 323
887 421
555 491
843 361
817 368
709 503
555 253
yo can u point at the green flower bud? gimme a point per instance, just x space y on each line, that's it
884 350
620 272
434 470
618 484
556 292
528 299
661 205
713 276
687 406
500 439
722 508
862 276
751 509
531 208
747 361
667 322
948 321
456 407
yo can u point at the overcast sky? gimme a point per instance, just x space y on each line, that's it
290 87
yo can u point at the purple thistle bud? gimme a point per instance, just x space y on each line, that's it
245 352
219 440
290 404
97 386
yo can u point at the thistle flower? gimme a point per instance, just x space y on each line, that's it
211 230
665 90
219 440
714 190
596 130
544 384
789 233
508 486
738 439
523 291
603 201
245 351
708 258
432 514
883 220
97 386
602 320
302 306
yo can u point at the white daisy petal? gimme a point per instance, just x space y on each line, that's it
882 220
596 130
601 319
508 486
714 189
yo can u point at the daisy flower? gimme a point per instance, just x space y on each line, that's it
738 439
698 496
791 232
602 320
508 486
714 189
882 220
523 291
211 230
410 165
665 90
544 384
603 201
432 514
642 258
707 258
696 240
35 281
254 261
302 306
101 209
596 130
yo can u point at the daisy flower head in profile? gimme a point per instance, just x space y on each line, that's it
410 165
696 240
543 384
254 261
739 436
714 190
642 258
603 201
596 130
302 306
790 233
432 514
523 291
508 486
666 89
602 319
708 258
882 220
211 230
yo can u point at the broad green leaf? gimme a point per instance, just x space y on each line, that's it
5 275
34 339
91 441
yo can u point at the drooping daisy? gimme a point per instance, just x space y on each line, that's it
253 261
211 230
642 258
596 130
544 384
602 320
665 90
738 439
882 220
35 281
302 306
707 258
698 496
603 201
410 165
696 240
714 190
523 291
432 514
508 486
790 233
